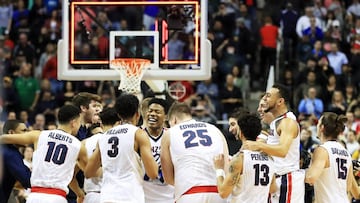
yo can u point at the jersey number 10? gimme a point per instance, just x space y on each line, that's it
57 153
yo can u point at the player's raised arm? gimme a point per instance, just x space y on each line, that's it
143 143
167 166
21 139
225 184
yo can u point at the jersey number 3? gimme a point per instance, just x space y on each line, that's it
57 153
203 138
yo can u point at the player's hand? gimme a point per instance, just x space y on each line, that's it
219 161
80 197
251 145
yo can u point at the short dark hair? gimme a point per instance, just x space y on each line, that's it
10 125
250 125
126 105
284 92
67 113
84 99
109 116
161 102
180 109
333 124
238 112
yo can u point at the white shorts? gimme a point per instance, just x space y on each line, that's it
92 197
45 198
290 188
203 197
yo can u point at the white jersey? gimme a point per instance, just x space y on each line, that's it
291 161
92 184
122 170
332 183
193 146
255 181
157 190
54 160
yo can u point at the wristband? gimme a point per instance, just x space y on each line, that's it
220 172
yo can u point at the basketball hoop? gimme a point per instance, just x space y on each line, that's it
131 71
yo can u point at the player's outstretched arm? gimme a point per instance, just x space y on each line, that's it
144 145
21 139
167 166
318 163
226 184
93 165
288 130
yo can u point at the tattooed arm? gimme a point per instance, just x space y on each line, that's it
226 185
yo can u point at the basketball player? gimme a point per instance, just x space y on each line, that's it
120 152
13 166
187 151
250 173
55 156
265 116
90 106
331 170
92 186
156 190
283 144
234 127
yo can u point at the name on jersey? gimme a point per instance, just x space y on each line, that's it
192 125
340 152
117 131
259 157
59 136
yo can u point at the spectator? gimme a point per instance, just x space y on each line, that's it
227 19
28 88
9 95
53 25
313 32
24 49
303 88
352 143
289 18
306 141
50 51
20 13
231 97
325 70
338 104
40 122
304 21
337 58
6 14
329 89
317 51
354 9
311 106
269 35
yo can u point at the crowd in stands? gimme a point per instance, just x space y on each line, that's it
319 58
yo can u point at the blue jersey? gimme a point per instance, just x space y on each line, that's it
13 169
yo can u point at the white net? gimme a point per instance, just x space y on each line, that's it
131 72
